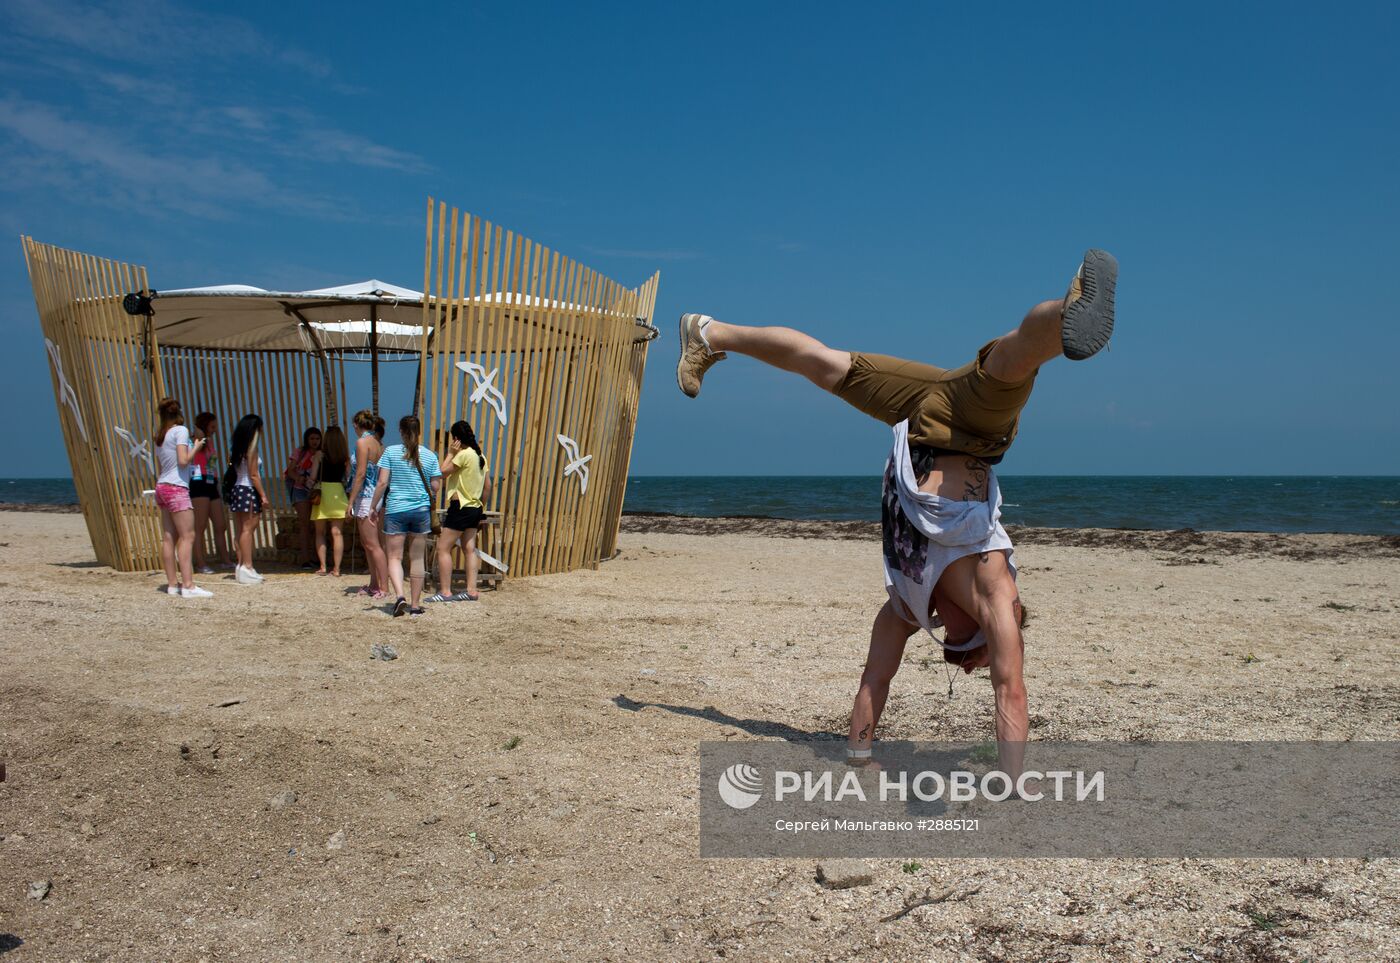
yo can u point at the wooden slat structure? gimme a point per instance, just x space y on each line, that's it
106 375
564 346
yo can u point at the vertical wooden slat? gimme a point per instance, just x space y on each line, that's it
514 362
427 318
637 368
573 410
489 357
531 317
108 392
611 331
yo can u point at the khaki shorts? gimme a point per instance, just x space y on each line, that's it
964 409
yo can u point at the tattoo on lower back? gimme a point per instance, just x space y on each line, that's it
975 488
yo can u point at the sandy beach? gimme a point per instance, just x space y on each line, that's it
235 778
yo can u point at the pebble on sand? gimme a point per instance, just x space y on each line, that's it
39 889
282 800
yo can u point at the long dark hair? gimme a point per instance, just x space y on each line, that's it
462 431
334 450
243 437
306 439
412 430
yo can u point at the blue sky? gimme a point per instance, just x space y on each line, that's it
904 179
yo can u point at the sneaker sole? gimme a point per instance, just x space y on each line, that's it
1088 322
681 362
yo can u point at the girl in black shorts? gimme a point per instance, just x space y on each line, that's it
204 494
464 469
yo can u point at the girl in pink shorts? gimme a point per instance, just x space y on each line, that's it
175 454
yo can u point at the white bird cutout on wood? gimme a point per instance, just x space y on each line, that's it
484 387
578 465
140 453
66 394
499 565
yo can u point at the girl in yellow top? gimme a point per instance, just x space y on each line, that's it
464 468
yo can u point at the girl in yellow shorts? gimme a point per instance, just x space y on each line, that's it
330 505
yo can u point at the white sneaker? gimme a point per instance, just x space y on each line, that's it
205 570
195 592
246 576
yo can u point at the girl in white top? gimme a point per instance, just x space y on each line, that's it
175 454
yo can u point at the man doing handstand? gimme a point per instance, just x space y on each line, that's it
947 558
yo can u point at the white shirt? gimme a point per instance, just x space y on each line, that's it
242 474
924 533
169 454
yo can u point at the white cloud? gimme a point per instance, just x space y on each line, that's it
203 185
85 118
142 31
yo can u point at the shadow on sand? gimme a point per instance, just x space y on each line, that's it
757 727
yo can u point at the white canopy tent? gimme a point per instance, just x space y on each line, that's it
364 319
368 316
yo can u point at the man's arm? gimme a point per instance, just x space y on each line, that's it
982 586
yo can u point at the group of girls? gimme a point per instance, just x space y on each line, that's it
388 492
188 493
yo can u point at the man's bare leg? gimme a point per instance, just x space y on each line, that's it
1076 326
982 586
1036 341
887 639
784 348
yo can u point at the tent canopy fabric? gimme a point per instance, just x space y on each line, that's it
242 317
345 318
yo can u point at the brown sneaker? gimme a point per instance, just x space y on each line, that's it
696 356
1088 310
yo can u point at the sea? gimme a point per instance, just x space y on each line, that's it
1230 503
